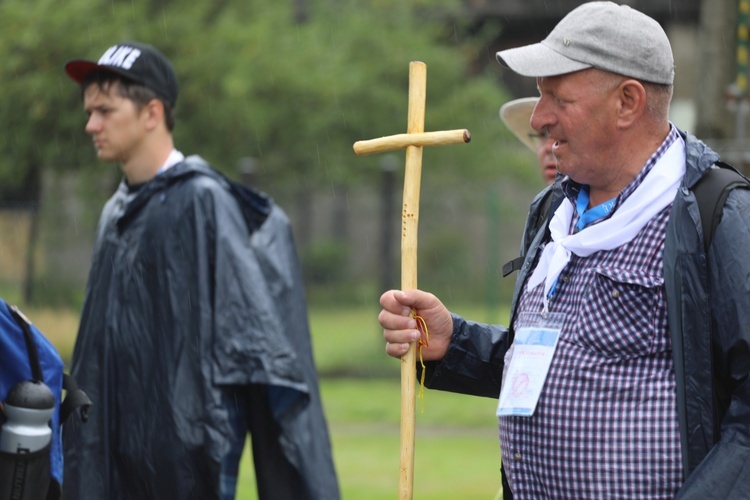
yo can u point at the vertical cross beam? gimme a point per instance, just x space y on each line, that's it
413 141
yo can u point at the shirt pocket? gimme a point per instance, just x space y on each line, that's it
621 314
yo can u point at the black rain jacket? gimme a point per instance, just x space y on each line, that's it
194 289
709 324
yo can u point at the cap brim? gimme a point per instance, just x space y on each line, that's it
538 60
79 69
517 117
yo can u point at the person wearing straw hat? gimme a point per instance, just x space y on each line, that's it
516 115
624 372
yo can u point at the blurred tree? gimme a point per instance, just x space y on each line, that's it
256 82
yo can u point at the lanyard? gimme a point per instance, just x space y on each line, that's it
587 216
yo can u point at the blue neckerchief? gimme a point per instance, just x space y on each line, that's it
587 216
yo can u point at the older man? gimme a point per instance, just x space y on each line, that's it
617 377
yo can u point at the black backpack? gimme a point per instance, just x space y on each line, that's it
711 192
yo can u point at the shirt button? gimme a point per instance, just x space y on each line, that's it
616 293
517 457
566 278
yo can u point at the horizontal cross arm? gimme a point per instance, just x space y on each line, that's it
402 141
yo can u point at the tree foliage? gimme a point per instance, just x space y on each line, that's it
255 81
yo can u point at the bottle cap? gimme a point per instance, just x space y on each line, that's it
32 395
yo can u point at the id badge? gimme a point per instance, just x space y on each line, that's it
532 351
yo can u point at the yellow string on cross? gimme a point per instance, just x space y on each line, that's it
424 341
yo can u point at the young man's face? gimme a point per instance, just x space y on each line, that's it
115 124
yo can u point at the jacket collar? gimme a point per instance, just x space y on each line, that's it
255 205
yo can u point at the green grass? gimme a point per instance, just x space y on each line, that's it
456 446
350 341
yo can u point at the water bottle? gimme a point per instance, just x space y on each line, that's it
25 439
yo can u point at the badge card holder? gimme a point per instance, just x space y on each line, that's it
533 347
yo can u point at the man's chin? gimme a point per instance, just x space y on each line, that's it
104 155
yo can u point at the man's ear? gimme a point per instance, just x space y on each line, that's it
153 113
631 102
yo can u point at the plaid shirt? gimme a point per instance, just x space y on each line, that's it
606 422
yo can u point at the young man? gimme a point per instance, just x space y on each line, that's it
194 328
636 385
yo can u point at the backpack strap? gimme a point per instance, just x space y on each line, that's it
23 323
75 398
544 215
512 265
711 192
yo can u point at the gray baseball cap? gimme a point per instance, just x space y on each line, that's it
603 35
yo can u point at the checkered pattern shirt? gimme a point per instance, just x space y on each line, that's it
606 423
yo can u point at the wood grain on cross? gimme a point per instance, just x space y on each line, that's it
413 141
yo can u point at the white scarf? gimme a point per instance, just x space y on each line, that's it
657 191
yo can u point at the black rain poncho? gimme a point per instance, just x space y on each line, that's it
194 287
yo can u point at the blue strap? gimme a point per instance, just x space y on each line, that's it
588 215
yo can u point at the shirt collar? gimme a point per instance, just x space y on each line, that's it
173 159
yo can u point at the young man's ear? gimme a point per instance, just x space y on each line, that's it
154 113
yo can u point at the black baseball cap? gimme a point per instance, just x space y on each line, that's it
138 62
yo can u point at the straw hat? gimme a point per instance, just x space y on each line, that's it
516 115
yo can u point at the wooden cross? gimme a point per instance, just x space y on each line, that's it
413 141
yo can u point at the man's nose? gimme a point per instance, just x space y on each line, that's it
93 124
541 119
